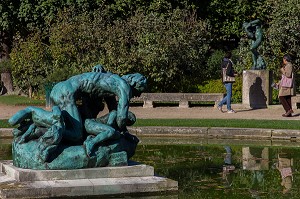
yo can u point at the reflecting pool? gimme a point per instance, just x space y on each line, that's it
219 168
225 168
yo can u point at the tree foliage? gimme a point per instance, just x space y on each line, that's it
8 16
227 17
176 44
169 50
30 63
283 33
73 43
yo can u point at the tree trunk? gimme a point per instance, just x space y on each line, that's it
6 82
30 92
6 77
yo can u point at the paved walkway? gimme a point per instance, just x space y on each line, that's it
273 112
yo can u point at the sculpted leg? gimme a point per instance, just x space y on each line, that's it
32 117
39 116
101 132
20 116
49 142
26 135
74 126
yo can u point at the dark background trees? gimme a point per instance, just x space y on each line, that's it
176 44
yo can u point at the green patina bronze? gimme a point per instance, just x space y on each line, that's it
70 136
254 32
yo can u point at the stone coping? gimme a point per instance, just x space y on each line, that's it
217 132
203 132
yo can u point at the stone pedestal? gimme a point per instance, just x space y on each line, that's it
257 90
101 182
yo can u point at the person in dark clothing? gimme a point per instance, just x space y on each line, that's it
227 63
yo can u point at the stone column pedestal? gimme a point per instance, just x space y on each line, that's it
257 90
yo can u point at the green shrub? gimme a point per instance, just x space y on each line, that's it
237 90
31 63
212 86
216 86
5 66
297 82
168 49
275 99
214 64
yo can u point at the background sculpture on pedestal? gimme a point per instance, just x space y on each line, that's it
71 136
254 32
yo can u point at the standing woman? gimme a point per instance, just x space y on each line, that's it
227 63
287 91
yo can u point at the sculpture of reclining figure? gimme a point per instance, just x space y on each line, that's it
104 128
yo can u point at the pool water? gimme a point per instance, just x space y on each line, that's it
224 169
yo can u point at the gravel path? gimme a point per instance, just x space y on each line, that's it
274 112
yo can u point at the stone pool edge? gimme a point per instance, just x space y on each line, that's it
203 132
218 132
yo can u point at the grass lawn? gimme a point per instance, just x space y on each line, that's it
236 123
4 124
15 100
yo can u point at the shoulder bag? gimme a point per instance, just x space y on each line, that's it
286 81
225 77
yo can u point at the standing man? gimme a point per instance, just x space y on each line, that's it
228 65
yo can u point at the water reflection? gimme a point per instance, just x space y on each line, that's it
5 150
255 159
226 170
218 169
228 167
284 166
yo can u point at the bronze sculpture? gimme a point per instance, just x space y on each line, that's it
254 32
71 136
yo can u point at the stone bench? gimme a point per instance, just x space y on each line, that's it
184 99
295 101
